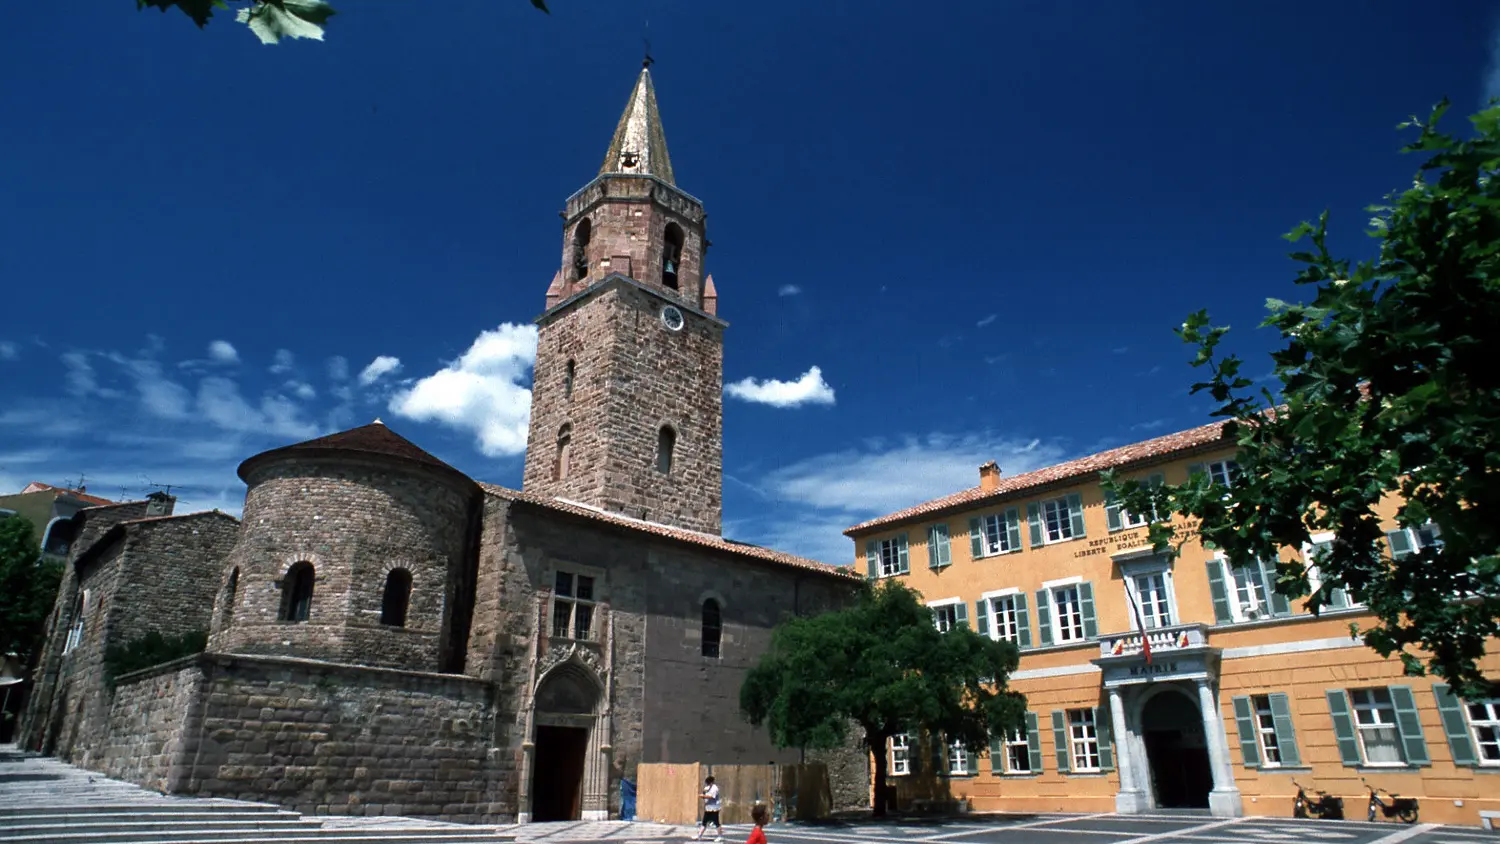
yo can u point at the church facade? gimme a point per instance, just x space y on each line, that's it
386 635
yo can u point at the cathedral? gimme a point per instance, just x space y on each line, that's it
386 635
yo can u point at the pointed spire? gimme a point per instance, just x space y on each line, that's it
640 145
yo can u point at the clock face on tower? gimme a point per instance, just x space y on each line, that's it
671 318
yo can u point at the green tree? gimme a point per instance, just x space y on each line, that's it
28 586
883 665
270 20
1390 386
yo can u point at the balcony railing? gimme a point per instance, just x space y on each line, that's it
1163 640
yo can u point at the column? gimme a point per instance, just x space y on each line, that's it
1131 800
1224 800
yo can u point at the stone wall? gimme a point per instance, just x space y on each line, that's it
628 216
152 726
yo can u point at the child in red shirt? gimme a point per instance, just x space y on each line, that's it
758 835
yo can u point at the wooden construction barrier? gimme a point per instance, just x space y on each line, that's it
668 793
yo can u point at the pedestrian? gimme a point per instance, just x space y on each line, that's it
711 806
758 835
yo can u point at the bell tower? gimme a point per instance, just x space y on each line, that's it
627 393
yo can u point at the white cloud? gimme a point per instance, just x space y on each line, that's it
301 389
160 396
986 321
379 368
82 380
789 290
9 350
338 368
283 362
221 351
220 402
810 388
483 392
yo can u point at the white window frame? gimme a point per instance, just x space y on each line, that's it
1314 581
1065 521
993 525
990 603
900 755
1265 731
596 578
958 760
1368 718
1077 632
1012 743
1261 603
1083 734
892 546
1490 723
1415 539
944 610
1222 472
75 632
1131 571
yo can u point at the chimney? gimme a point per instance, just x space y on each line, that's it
989 476
160 504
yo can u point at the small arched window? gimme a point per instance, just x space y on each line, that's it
564 452
713 628
671 255
297 592
666 443
568 372
580 260
231 587
397 597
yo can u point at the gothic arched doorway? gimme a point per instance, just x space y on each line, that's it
566 704
1177 751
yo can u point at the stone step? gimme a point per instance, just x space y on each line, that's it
365 835
38 824
163 809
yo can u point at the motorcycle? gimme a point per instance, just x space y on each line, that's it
1404 808
1327 806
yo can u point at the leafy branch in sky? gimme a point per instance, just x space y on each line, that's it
270 20
1390 394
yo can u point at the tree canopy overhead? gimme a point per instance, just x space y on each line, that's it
1390 387
883 665
270 20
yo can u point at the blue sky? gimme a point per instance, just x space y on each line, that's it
978 221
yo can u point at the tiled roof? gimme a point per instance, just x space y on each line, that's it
691 537
1113 459
374 438
148 519
38 486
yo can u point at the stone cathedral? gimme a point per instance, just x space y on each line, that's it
386 635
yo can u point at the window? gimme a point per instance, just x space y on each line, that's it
564 455
573 606
75 633
569 371
1411 540
397 596
1319 548
1067 612
713 628
1121 519
1153 599
231 587
900 755
959 760
1055 520
887 557
297 592
666 442
1017 752
996 533
1265 729
1083 740
1268 738
1484 723
1250 596
1375 725
1007 626
671 255
938 552
1224 472
581 236
949 614
1058 521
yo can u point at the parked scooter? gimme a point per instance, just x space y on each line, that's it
1404 808
1327 806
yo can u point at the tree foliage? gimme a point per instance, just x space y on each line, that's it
881 664
28 586
1390 386
270 20
151 649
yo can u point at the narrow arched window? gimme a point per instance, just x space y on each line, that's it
666 443
671 255
297 592
231 587
564 455
568 372
397 596
581 235
713 628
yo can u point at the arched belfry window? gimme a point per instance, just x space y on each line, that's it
580 261
564 452
671 255
666 443
397 597
713 628
297 592
568 373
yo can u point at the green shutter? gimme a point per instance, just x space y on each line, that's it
935 744
1033 743
997 753
1410 726
1023 621
976 538
1104 728
1279 604
1013 529
938 554
961 615
1220 594
1075 511
973 760
1244 719
904 563
1060 738
1043 618
1286 734
1343 726
981 618
1034 516
872 559
1086 604
1112 511
1400 543
1460 743
914 753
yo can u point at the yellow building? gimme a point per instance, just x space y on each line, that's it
1243 692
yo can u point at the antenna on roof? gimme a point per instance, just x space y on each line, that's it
166 489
